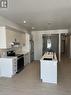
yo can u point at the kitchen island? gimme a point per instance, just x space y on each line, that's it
48 68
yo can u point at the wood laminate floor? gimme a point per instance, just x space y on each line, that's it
27 82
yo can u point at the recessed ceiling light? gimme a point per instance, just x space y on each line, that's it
33 27
24 21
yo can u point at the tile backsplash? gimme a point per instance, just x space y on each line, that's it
3 52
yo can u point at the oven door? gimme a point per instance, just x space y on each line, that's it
20 64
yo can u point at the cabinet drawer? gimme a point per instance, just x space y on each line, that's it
14 60
14 71
14 65
15 68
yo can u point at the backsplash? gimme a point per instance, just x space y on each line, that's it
18 50
3 52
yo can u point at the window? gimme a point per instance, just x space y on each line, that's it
48 43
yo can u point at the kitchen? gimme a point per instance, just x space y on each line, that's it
16 44
25 26
14 51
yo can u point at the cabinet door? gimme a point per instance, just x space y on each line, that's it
26 58
48 71
43 71
27 41
14 63
25 61
6 68
2 37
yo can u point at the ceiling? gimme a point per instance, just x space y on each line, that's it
41 14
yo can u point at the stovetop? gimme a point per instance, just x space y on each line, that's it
19 55
12 53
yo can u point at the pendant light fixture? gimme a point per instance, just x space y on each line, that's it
49 41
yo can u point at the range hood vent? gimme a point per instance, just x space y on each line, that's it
15 43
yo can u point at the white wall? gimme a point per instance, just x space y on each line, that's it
26 48
6 22
70 46
37 37
70 42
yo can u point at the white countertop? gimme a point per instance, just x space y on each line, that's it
49 55
23 52
7 57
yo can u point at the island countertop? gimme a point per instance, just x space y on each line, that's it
49 55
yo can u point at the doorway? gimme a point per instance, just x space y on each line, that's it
54 43
65 45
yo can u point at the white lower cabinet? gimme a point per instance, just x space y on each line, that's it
26 58
48 71
8 67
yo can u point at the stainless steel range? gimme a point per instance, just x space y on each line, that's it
20 60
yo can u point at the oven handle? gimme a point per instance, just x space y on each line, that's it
20 57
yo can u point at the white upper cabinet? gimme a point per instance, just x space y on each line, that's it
7 36
27 41
2 37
